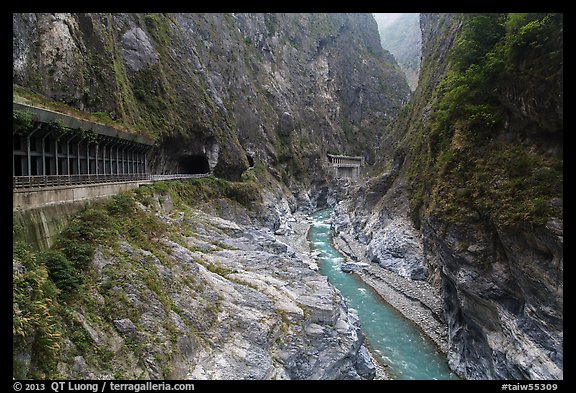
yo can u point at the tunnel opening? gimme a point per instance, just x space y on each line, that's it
193 164
250 160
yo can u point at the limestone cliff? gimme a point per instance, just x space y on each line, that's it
283 89
469 195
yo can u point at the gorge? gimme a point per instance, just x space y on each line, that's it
454 215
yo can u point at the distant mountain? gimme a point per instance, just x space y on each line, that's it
400 34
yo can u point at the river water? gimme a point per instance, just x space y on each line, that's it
398 342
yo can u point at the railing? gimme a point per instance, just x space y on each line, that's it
67 180
347 165
179 176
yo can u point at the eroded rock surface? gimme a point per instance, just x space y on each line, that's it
226 301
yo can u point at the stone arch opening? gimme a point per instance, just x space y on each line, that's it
193 164
250 160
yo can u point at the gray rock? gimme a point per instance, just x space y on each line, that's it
396 246
364 364
352 266
286 123
100 261
504 319
17 267
126 327
137 50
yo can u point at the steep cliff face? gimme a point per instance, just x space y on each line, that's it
473 179
281 88
401 35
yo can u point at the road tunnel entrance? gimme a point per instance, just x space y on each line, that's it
193 164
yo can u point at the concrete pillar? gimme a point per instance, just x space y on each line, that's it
78 156
129 151
68 157
104 156
135 154
118 162
29 163
143 159
43 144
139 160
117 159
68 154
96 164
43 156
127 155
130 160
56 155
111 167
87 157
123 159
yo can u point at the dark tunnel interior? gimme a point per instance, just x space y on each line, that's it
193 164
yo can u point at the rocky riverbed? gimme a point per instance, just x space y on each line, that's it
297 237
388 257
417 300
216 299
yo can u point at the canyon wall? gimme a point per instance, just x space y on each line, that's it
469 194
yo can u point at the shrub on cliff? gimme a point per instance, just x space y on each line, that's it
60 270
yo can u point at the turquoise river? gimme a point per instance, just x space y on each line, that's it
400 344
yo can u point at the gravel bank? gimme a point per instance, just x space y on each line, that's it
416 300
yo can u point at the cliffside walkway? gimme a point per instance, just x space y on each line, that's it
31 192
57 147
346 167
61 158
25 182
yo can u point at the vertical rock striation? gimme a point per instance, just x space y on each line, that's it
471 191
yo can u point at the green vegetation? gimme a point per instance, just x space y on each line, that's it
52 287
58 277
475 158
60 270
35 325
322 25
195 191
21 120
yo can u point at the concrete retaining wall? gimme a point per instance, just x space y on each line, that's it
41 214
30 199
39 227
